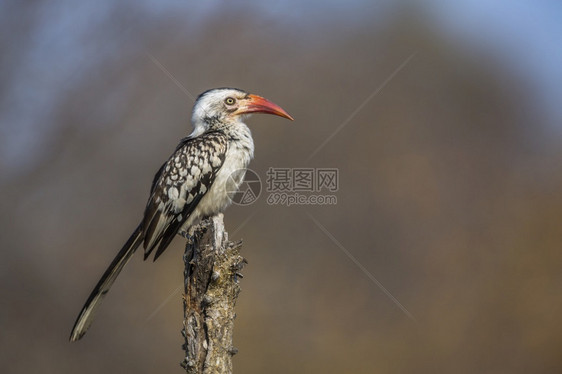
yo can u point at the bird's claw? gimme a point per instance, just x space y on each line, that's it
185 234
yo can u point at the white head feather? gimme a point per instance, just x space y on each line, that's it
210 108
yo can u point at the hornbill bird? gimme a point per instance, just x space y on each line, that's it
193 184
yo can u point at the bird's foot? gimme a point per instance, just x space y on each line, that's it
187 236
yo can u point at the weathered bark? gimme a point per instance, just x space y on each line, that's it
212 271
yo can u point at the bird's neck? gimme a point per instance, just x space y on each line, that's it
240 136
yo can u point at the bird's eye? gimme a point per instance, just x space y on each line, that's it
229 100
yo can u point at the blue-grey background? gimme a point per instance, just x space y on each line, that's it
447 123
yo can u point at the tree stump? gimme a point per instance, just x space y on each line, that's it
211 287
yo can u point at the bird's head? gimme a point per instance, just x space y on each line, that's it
221 107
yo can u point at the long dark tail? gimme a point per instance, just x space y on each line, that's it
86 316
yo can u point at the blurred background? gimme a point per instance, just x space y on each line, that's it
443 118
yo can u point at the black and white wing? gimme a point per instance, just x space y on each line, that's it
179 186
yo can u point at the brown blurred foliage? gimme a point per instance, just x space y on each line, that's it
449 195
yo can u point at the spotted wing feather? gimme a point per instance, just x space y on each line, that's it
178 187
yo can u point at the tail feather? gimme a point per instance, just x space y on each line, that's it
86 316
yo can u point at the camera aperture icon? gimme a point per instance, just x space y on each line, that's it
249 190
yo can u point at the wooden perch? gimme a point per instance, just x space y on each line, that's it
212 270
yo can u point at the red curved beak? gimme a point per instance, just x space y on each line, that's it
257 104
